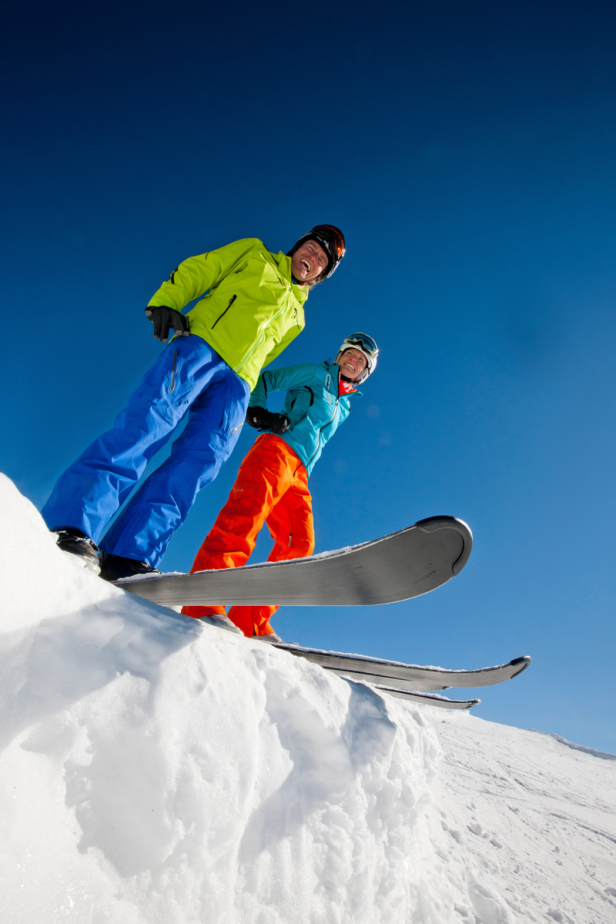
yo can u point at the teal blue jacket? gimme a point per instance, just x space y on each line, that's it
313 405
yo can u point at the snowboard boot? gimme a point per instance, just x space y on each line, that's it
77 543
114 567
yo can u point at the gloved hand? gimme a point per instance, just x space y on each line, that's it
262 419
163 319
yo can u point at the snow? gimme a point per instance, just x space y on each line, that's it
536 821
154 769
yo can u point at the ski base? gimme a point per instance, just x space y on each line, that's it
429 699
405 564
409 677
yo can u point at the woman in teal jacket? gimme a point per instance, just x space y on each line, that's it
272 483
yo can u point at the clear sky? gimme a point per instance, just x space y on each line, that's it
468 151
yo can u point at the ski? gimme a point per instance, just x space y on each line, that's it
410 677
405 564
429 699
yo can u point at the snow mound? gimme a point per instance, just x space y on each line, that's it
154 769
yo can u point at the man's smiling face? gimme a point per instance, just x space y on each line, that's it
309 261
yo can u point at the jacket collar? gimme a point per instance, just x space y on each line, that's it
283 265
335 374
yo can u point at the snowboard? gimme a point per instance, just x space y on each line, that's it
405 564
406 677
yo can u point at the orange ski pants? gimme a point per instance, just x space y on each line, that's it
271 487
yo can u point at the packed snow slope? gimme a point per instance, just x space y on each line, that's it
154 769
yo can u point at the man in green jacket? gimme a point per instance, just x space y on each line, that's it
250 309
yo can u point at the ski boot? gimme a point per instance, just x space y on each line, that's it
114 567
77 543
221 622
271 638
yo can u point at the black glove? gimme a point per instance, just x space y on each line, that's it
261 419
164 319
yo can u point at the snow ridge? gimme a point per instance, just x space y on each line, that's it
604 755
154 769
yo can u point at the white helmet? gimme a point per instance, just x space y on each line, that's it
366 345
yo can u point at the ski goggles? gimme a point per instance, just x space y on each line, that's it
364 342
331 239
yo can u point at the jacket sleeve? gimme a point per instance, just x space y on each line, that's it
281 380
196 275
297 404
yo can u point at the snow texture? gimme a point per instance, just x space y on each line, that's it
154 769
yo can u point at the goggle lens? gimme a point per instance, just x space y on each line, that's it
331 239
365 341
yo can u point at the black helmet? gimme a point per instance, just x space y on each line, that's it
331 240
366 345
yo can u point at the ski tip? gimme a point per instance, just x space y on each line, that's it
426 699
445 521
432 524
523 663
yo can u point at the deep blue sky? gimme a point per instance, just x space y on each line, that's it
468 150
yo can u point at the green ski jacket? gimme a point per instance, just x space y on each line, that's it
249 308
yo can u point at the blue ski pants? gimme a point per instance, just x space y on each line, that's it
189 377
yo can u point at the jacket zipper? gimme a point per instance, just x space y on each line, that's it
258 343
329 422
260 340
224 312
173 371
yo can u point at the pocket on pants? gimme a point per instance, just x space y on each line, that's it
179 380
235 405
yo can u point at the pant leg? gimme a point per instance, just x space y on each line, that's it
291 526
263 478
291 523
145 526
92 489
